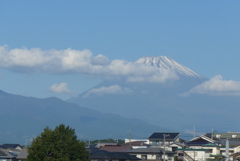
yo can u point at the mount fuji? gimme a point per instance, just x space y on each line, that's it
164 103
170 64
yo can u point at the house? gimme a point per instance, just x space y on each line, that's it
176 145
212 145
108 156
233 148
190 154
203 140
11 146
231 138
152 154
224 136
9 152
5 155
137 140
163 138
136 144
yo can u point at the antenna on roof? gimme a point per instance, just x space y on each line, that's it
212 134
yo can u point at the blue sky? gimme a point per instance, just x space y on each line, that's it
202 35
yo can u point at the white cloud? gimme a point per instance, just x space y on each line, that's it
60 88
114 89
74 61
193 132
217 86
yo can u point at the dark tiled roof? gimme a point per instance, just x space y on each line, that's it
112 156
9 146
159 136
92 150
199 141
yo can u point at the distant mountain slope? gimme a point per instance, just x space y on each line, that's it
25 117
164 104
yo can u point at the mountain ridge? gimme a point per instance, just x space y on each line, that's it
25 117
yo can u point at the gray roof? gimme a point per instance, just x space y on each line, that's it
149 151
23 154
4 154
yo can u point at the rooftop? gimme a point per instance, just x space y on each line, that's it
159 136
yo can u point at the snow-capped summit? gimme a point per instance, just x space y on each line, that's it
168 63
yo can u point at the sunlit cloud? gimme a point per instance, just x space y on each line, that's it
75 61
217 86
60 88
114 89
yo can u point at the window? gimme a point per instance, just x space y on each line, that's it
180 154
174 149
158 157
143 157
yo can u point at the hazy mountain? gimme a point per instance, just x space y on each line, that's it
163 104
25 117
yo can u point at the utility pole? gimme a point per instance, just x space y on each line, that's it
130 137
164 149
227 150
212 134
194 132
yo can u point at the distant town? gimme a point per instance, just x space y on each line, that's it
160 146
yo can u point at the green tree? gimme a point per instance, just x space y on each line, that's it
60 144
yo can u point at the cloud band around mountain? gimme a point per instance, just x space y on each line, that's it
74 61
114 89
217 86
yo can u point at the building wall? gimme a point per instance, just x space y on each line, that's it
154 157
198 155
132 140
215 150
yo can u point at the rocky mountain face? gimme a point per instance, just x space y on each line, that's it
164 104
23 118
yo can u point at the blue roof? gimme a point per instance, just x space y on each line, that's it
197 142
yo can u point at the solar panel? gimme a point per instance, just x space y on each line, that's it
160 136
